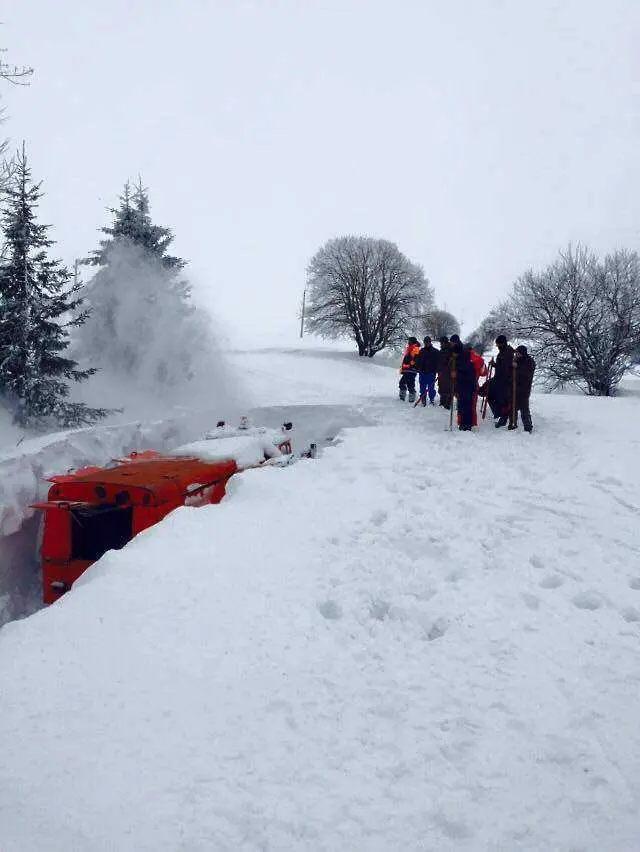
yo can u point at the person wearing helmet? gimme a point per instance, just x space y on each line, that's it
409 370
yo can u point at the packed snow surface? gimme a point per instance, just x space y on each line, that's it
422 640
245 450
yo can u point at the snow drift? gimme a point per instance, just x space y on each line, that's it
24 470
423 641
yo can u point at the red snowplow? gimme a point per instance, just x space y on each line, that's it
96 509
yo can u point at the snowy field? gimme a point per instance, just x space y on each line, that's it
421 640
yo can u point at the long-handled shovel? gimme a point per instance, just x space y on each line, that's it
512 413
454 375
485 401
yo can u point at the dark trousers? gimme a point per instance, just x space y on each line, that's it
444 390
522 406
499 394
407 383
428 385
465 406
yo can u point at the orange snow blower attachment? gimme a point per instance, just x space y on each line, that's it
93 510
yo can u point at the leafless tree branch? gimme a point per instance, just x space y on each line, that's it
366 289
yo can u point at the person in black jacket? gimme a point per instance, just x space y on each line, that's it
427 364
444 373
499 389
466 383
525 368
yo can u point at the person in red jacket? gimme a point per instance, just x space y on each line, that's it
480 369
409 370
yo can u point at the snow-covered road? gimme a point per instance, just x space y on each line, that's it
420 641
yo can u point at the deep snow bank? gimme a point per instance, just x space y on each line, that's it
423 641
23 474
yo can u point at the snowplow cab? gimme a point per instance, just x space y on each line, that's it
93 510
96 509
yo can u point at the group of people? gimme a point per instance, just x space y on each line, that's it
457 369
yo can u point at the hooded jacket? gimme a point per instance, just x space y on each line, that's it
427 360
409 358
524 377
502 368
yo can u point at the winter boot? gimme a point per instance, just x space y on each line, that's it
512 426
412 397
501 421
528 428
402 396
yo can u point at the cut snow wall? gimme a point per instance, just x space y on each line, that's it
23 475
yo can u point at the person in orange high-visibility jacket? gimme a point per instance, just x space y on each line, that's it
409 371
480 370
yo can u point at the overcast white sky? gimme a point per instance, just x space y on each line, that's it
480 135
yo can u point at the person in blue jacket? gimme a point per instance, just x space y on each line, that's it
427 365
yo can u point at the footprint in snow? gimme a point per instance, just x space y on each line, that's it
379 517
588 600
530 601
379 609
437 629
551 581
536 562
634 583
631 615
455 829
330 610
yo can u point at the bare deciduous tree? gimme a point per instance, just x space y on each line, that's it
366 289
581 317
437 323
496 322
18 77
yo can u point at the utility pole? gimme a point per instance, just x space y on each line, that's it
304 304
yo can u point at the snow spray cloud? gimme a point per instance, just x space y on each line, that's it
154 348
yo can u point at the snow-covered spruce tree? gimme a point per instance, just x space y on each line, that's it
365 289
143 324
38 305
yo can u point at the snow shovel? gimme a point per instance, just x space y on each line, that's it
485 401
513 413
453 397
